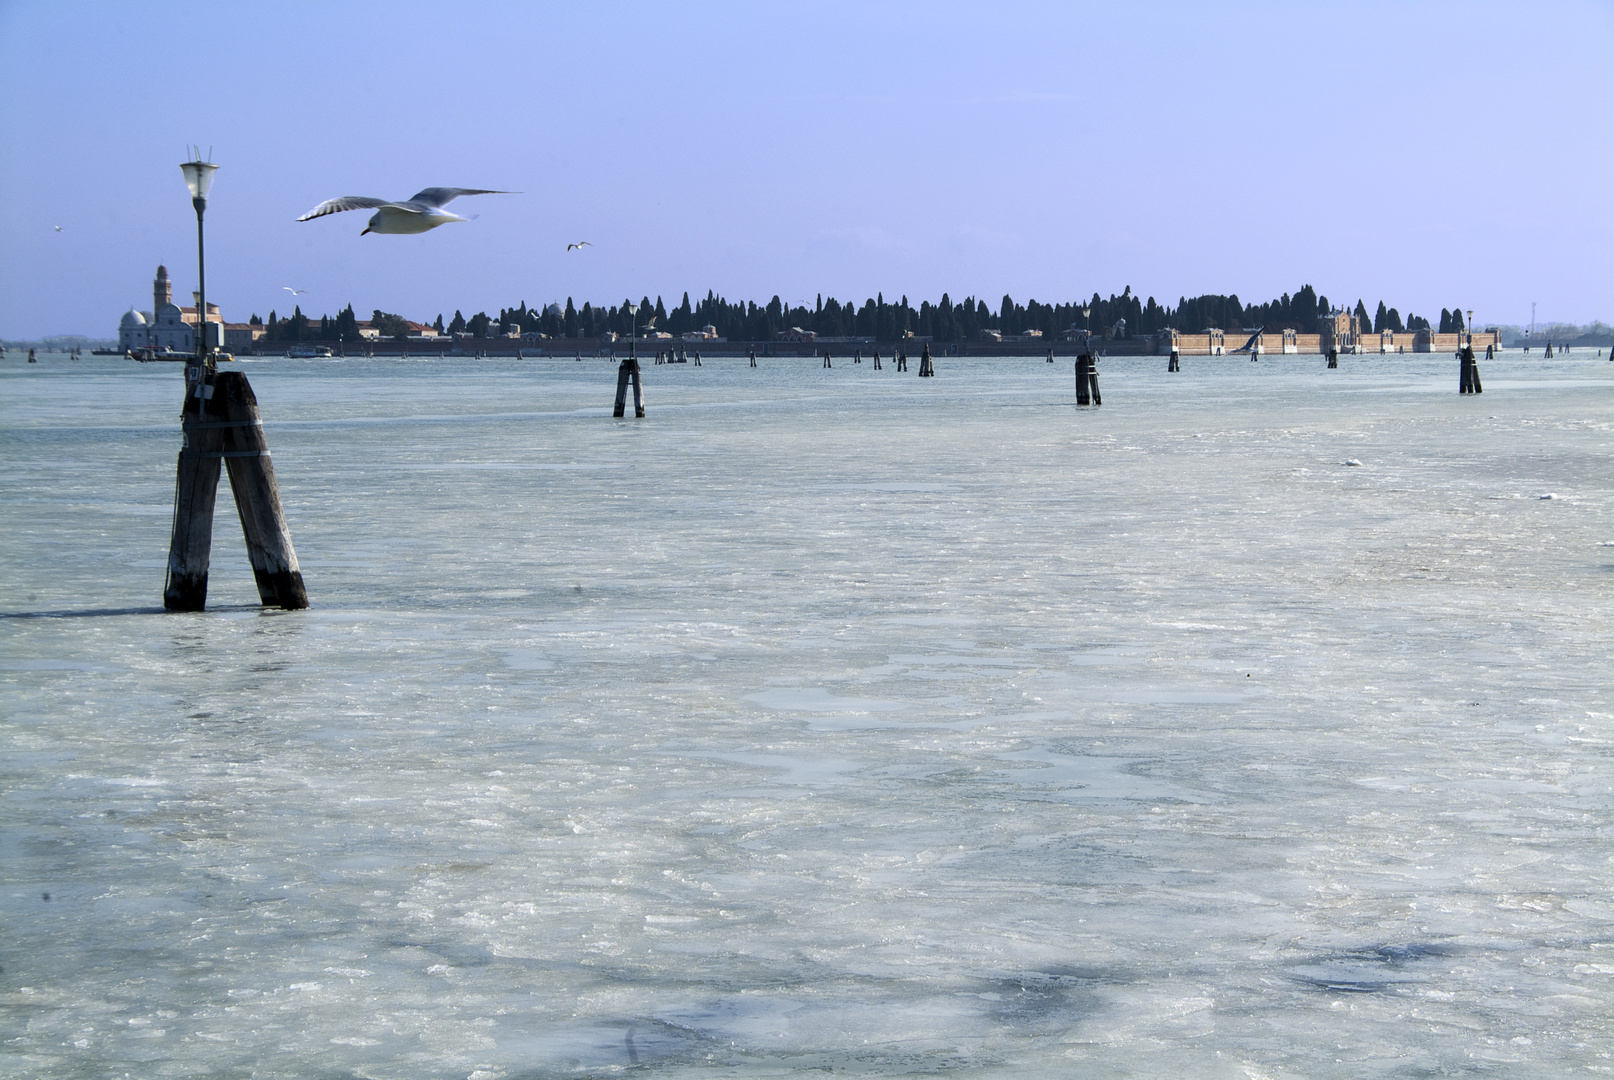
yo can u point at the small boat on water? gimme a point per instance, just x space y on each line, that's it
146 356
309 352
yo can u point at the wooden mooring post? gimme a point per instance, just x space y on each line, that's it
220 425
1174 362
927 368
826 359
877 360
1333 357
753 358
1468 378
628 372
1087 380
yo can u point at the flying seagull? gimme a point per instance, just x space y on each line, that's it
58 228
296 292
579 244
414 215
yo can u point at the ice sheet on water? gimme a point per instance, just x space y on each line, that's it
825 719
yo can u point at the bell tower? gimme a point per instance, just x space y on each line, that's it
162 292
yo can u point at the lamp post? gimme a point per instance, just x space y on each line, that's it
1471 326
198 178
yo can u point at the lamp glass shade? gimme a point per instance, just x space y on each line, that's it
198 177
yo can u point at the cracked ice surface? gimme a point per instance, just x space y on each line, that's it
824 719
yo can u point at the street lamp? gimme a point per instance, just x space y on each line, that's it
1471 326
199 177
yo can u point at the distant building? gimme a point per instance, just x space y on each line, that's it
1337 331
189 313
705 333
164 326
796 333
242 337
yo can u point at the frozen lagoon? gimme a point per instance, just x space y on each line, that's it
823 720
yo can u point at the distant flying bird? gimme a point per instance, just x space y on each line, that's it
415 215
58 228
579 244
296 292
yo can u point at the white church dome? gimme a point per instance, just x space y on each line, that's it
131 320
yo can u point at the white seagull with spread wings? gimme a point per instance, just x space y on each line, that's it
414 215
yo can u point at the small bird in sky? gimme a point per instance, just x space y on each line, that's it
294 292
58 228
417 214
579 244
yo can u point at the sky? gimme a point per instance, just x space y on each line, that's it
1427 154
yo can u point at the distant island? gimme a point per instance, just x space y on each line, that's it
875 320
1119 321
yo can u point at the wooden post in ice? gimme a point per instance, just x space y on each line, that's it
626 373
257 495
196 485
1468 379
221 425
1087 381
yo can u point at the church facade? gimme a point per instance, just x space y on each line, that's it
166 326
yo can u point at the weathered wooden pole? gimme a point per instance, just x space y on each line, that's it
857 357
902 360
1333 357
877 360
826 359
1548 354
1468 379
257 495
220 424
627 373
927 368
1174 363
1050 356
1087 380
196 485
753 358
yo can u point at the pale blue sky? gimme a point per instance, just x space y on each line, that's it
1428 154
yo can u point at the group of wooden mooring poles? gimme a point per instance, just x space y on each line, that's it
221 429
220 426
